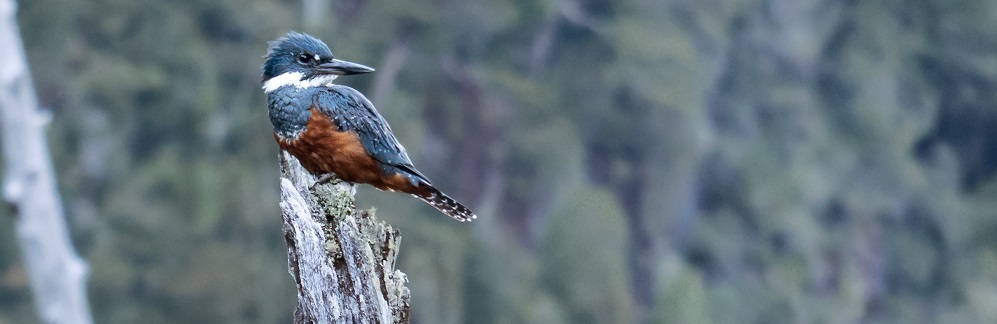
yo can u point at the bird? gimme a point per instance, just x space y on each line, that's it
334 129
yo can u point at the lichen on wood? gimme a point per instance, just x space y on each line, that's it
342 260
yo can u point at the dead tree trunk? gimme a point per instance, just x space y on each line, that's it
57 274
342 260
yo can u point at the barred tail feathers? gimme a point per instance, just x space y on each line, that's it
448 206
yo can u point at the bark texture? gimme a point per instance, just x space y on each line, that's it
57 274
342 260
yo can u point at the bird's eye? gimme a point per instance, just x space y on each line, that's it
304 58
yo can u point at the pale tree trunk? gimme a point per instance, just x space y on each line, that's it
58 275
342 260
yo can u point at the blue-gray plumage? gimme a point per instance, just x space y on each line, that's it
288 113
334 128
354 113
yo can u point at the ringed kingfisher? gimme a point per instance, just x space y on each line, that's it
334 129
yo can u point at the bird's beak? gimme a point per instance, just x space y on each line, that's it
340 67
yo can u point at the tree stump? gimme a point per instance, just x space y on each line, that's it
342 260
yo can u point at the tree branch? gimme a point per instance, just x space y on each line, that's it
342 260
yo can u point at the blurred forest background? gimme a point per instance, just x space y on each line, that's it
632 161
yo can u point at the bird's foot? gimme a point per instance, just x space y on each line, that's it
327 178
330 178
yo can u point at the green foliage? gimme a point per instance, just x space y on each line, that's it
682 297
505 287
584 264
631 161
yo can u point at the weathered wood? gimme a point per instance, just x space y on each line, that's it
342 260
57 275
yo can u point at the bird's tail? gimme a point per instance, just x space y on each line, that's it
445 204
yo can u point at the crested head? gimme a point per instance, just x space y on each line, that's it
301 60
293 53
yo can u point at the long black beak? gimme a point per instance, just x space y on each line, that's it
340 67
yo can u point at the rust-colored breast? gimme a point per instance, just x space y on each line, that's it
321 149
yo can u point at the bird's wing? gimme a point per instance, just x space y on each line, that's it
351 111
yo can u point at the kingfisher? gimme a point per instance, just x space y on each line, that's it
334 129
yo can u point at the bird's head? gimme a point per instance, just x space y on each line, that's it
303 61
